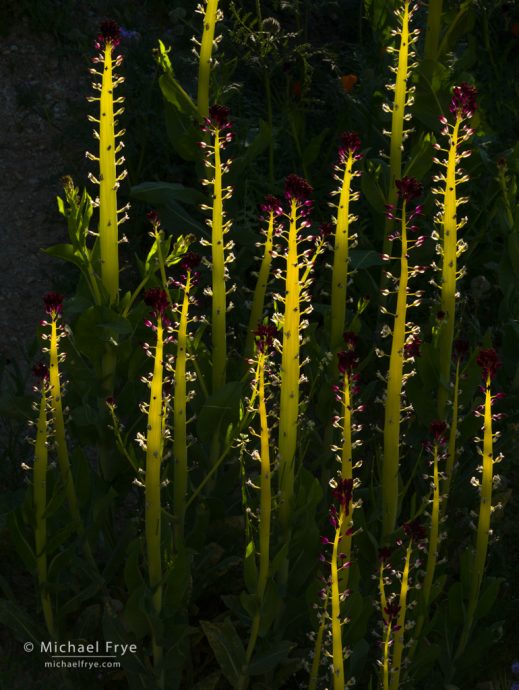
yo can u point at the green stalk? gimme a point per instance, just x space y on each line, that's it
337 649
289 403
451 454
385 662
485 511
449 225
391 461
40 508
154 447
341 257
258 301
219 305
180 421
398 642
346 473
206 51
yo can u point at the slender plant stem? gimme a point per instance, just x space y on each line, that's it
219 305
206 51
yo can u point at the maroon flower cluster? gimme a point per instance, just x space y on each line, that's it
109 33
460 348
297 189
41 371
53 302
343 494
415 531
408 188
190 261
157 299
392 611
489 362
464 100
219 116
349 143
153 217
438 431
412 347
264 337
272 204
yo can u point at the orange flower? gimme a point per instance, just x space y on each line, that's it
348 81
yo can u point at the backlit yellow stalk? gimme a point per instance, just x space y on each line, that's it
40 504
398 641
272 207
335 595
489 363
108 158
211 16
434 531
344 173
463 105
218 125
403 99
154 451
264 336
53 304
180 455
316 662
402 342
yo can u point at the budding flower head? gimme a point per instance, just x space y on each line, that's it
264 337
464 100
408 188
190 260
350 143
343 493
489 362
350 339
53 303
153 217
347 361
297 189
272 204
41 371
412 347
438 429
157 299
415 530
109 33
392 610
219 116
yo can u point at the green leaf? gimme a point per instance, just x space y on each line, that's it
489 596
314 147
161 193
455 604
67 253
250 569
372 191
208 683
364 258
19 621
267 660
220 409
177 583
227 648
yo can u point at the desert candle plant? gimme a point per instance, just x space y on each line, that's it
211 15
404 346
218 126
402 100
155 298
54 307
109 157
462 107
187 282
344 174
488 360
297 194
41 371
272 209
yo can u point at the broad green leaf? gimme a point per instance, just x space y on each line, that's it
266 660
227 648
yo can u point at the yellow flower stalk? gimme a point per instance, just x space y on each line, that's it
462 106
344 174
211 16
40 496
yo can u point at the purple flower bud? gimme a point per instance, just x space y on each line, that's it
41 371
190 260
343 493
412 347
464 100
384 553
157 299
109 33
350 143
264 336
408 188
53 303
489 362
461 348
347 361
272 204
415 530
153 217
351 339
297 189
438 429
219 116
